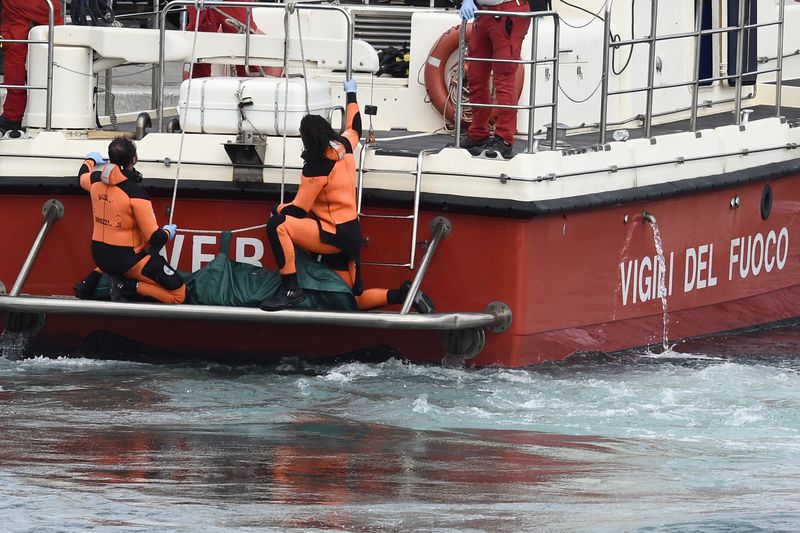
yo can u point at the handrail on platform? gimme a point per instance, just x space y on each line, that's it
496 316
653 38
441 228
52 211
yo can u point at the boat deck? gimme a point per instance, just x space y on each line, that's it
411 143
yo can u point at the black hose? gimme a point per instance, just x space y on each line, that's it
91 12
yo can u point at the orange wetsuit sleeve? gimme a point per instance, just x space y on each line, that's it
85 174
352 130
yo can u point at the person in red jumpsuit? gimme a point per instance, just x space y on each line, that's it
212 19
494 37
18 18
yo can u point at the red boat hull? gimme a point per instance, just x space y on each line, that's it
575 281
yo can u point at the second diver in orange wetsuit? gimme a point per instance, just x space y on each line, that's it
125 228
323 217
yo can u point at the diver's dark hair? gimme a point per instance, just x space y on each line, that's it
316 134
121 151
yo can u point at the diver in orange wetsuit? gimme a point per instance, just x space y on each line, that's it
323 218
125 228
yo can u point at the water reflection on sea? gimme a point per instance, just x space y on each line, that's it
691 439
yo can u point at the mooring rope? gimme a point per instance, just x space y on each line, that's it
217 231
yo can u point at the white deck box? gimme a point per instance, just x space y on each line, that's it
213 105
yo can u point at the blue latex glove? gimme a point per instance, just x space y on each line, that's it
171 229
349 86
468 9
97 157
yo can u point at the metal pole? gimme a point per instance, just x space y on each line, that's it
108 86
156 78
532 86
698 27
48 121
462 37
52 211
556 68
247 43
651 68
779 67
362 156
417 192
604 79
158 72
739 66
440 227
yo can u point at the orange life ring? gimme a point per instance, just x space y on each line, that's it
436 75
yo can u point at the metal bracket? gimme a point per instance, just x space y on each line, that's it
247 156
463 343
447 226
503 314
58 207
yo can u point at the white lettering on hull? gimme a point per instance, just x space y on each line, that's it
640 278
749 256
205 247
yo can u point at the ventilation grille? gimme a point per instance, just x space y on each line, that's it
382 29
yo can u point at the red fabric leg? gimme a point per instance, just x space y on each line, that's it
508 45
208 22
493 39
18 17
480 45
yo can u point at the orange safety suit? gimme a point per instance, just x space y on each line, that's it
124 227
323 217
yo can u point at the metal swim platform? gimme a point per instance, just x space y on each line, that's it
495 316
462 332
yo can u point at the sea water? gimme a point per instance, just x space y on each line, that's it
701 437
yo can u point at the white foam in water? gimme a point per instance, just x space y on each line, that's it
670 353
13 344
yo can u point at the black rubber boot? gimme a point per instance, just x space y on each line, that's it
284 298
122 289
86 287
422 303
9 125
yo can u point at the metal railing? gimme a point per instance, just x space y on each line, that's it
49 86
52 211
413 217
174 4
653 38
531 107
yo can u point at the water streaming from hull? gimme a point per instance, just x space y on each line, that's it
662 283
